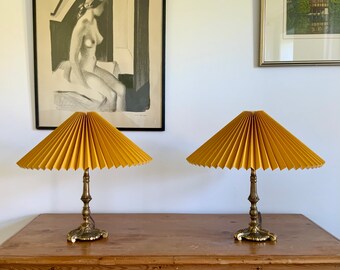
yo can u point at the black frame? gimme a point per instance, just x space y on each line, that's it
41 126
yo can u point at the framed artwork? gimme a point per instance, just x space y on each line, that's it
300 32
100 55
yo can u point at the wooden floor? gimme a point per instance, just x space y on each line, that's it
170 241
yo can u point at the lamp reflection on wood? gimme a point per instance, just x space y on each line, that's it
254 140
84 141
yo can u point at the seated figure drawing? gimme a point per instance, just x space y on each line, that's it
84 84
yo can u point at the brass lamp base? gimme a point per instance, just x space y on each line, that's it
254 232
87 230
86 234
257 235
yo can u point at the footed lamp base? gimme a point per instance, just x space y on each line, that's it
87 230
254 232
257 235
86 234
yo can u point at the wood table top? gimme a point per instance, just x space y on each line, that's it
170 239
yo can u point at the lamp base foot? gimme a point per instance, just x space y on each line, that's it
254 234
86 234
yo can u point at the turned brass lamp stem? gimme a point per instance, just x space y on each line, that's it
253 199
86 198
86 231
254 232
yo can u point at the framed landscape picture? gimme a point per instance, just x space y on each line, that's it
100 55
300 32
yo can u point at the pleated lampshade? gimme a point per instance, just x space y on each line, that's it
84 141
255 140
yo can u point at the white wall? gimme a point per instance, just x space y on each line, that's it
211 76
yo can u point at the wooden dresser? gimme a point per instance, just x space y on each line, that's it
170 242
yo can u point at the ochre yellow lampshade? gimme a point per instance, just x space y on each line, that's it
255 140
84 141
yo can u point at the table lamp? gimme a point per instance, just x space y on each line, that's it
254 140
84 141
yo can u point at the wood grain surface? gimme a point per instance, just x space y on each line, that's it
170 241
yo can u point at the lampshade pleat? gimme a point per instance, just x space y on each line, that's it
85 141
47 147
123 144
255 140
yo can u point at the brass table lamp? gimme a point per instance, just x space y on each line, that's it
84 141
254 140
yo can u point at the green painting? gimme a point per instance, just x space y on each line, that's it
308 17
